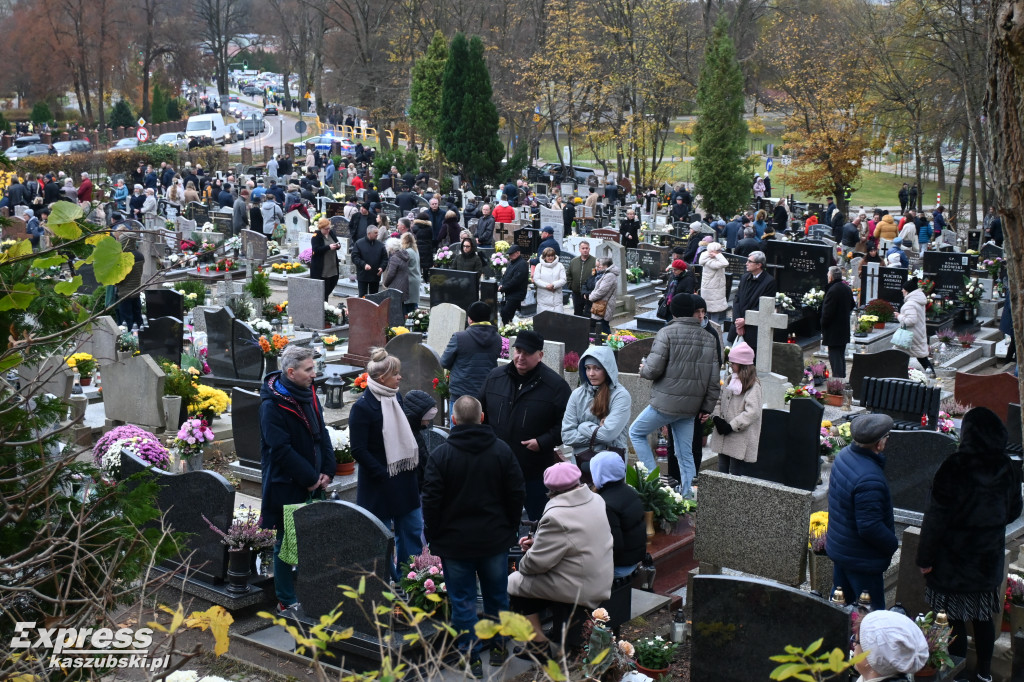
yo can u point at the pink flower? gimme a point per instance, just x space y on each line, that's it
429 585
412 575
433 570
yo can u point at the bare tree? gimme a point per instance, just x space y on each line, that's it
219 23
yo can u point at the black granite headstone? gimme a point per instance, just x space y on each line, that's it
392 212
672 241
799 267
246 353
163 338
629 356
454 286
653 260
164 303
334 208
886 364
890 284
184 499
396 317
911 460
89 283
991 252
740 623
527 239
489 295
220 342
245 415
573 331
788 451
947 270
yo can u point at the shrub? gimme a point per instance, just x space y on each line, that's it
121 115
41 113
883 310
72 164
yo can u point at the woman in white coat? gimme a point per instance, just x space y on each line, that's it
712 281
912 316
549 276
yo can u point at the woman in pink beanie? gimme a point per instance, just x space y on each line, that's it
738 424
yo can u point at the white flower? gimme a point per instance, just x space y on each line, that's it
183 676
339 437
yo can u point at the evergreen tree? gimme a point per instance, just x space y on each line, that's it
41 113
425 92
478 148
453 88
720 174
121 115
174 109
4 125
158 106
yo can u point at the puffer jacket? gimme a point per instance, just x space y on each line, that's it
470 356
712 281
743 412
415 276
684 368
571 560
912 316
975 494
554 274
397 274
861 530
424 233
606 289
625 514
886 228
579 423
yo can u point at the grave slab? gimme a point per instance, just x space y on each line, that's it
572 331
133 392
445 320
306 302
396 318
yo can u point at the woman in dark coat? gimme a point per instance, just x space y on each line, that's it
467 258
1006 323
624 509
835 320
324 264
975 494
423 230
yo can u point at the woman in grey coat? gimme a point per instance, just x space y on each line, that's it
599 408
412 298
605 289
397 274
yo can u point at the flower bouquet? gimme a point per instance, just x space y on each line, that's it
501 246
783 301
261 326
244 533
210 402
804 392
946 424
418 320
917 375
358 385
818 532
813 298
938 633
619 339
127 343
971 294
330 341
634 275
272 347
881 309
513 328
499 262
423 583
441 384
505 342
191 438
866 323
131 439
444 258
333 315
994 266
571 361
225 265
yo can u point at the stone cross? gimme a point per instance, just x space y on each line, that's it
767 321
871 284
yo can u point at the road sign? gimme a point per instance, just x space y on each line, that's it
786 160
141 121
142 134
768 165
300 127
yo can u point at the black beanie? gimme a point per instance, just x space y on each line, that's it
682 305
479 312
910 285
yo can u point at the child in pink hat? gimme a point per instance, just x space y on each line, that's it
738 422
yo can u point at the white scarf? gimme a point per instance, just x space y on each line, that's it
400 446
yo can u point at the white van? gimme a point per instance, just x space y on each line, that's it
211 126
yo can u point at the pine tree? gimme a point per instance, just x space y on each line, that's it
121 115
158 106
720 174
425 92
174 109
453 88
41 113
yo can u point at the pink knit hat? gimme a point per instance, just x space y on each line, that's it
562 476
741 353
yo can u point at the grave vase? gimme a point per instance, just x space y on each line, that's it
649 520
172 412
238 571
271 365
820 568
1016 618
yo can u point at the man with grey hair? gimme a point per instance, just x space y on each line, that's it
835 320
749 244
485 227
754 284
371 260
296 453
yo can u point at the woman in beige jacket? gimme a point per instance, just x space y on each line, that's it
568 563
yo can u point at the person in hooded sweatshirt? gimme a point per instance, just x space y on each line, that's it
624 509
976 493
420 409
471 354
597 414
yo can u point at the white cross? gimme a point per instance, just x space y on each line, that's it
767 321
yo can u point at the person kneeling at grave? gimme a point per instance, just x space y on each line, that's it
567 565
738 423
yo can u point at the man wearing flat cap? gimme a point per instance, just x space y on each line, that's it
861 530
524 402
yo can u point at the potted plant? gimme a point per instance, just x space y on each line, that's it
865 323
818 373
127 345
937 632
242 538
346 463
1013 605
834 392
881 309
85 364
330 341
965 339
660 502
817 560
945 336
654 656
970 297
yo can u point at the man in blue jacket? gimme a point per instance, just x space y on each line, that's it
861 530
296 452
472 354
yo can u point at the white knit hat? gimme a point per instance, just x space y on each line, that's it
895 644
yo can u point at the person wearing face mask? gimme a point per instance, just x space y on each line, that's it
597 414
738 422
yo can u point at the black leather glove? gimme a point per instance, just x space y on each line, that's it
722 426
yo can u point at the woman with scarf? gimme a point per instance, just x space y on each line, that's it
738 424
388 455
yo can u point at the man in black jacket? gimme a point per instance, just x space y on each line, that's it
749 244
471 354
630 230
473 494
485 227
524 402
362 220
514 283
754 284
835 320
406 201
371 260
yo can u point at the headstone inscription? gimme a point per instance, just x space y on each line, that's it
606 235
653 260
527 239
890 284
445 320
947 270
306 302
570 330
396 318
334 208
163 338
788 451
454 286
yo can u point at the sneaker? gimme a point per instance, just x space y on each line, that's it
476 669
289 611
498 654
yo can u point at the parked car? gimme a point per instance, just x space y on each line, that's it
251 91
29 150
72 147
177 140
324 142
251 127
26 140
270 111
232 98
125 143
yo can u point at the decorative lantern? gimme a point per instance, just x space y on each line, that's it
335 392
647 573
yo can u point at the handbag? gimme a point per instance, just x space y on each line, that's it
599 308
663 311
903 338
289 543
583 458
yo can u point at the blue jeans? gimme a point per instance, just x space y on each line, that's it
649 421
284 577
460 576
408 538
855 582
623 571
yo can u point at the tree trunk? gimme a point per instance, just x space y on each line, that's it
940 166
974 188
917 170
1004 118
958 184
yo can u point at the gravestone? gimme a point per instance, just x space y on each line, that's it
220 341
788 361
1013 426
740 623
947 270
245 417
489 295
766 320
553 218
910 583
184 499
296 224
333 208
736 513
53 376
653 260
606 235
994 391
991 252
163 338
164 302
421 364
306 302
89 282
527 239
246 355
392 212
886 364
101 340
788 451
890 284
254 245
799 266
133 392
17 229
445 320
454 286
570 330
339 543
366 324
396 318
911 460
617 252
629 357
554 356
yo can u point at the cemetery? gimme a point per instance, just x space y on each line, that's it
736 568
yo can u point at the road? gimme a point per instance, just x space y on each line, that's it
279 129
